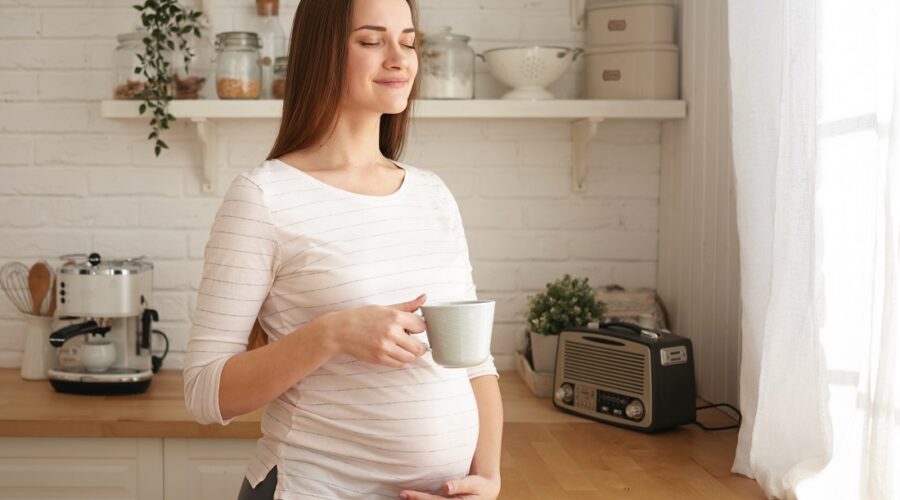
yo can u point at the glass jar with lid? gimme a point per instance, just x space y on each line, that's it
447 66
126 83
191 79
280 77
238 74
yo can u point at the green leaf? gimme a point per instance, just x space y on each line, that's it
162 144
152 135
157 149
142 108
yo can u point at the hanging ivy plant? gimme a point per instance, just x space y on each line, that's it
168 24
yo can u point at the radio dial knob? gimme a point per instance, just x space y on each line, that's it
565 394
634 410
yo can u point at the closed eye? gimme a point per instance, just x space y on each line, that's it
369 44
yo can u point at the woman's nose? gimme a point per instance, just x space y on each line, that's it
396 57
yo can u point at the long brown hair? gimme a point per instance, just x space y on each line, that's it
317 60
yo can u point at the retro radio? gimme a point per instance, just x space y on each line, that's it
626 375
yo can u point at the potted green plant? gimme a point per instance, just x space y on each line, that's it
169 25
566 302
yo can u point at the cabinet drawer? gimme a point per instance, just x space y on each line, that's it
205 468
62 468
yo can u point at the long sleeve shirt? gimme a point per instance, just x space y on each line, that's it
286 248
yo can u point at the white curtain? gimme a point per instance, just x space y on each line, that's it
816 140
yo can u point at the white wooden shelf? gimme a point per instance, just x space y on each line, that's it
583 116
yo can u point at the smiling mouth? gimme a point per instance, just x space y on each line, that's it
392 83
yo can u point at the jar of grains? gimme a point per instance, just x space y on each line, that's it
127 84
280 77
448 66
238 74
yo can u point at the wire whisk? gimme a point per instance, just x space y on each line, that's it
14 281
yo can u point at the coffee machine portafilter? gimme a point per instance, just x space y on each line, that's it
111 304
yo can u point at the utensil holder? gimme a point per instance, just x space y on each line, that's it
39 354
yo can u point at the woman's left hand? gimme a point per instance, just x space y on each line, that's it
469 487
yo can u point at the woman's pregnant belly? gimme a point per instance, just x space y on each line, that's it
377 427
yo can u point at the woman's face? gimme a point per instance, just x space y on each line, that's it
381 63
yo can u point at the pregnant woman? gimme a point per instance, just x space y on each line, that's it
315 265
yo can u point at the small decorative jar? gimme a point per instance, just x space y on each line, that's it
280 77
238 74
190 80
448 66
127 84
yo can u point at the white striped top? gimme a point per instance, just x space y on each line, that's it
287 247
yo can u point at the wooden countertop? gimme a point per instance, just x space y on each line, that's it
31 408
546 453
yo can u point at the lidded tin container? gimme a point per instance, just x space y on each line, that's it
447 66
238 71
108 289
635 71
126 83
618 22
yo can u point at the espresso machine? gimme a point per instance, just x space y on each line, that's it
109 302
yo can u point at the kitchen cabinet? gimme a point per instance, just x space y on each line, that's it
205 469
122 468
96 468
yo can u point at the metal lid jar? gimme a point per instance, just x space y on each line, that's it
238 73
126 83
447 66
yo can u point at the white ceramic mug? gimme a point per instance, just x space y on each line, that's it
459 331
98 355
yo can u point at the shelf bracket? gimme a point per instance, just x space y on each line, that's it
583 131
206 131
577 13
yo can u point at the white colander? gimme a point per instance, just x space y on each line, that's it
528 70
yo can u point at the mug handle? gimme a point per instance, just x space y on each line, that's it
427 346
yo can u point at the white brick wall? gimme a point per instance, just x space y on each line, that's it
73 181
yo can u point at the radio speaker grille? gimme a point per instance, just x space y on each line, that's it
600 365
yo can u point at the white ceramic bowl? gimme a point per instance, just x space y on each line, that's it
528 70
98 356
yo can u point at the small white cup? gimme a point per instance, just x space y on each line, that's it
459 331
98 356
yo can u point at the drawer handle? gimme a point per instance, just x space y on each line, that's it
617 25
612 75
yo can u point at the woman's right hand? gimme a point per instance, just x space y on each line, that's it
379 334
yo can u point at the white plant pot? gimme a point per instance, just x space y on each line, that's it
543 352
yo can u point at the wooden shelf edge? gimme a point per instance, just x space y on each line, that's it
583 115
477 108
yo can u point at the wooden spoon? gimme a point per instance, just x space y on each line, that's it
38 285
